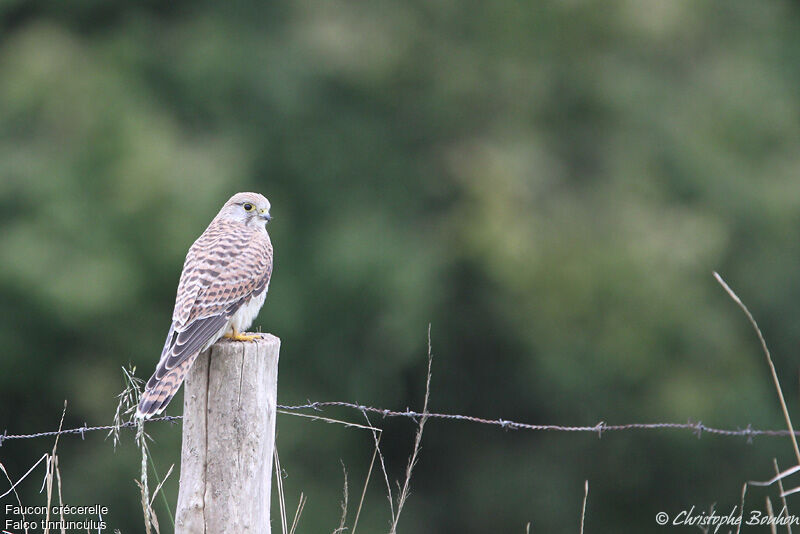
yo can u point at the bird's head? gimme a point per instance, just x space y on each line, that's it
251 209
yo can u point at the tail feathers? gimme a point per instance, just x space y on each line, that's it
159 392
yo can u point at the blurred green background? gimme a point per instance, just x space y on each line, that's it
549 184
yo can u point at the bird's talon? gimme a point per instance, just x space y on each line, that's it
238 336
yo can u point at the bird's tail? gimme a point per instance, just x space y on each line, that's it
159 391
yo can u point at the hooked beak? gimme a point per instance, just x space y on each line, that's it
264 214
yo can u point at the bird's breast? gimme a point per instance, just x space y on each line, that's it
244 316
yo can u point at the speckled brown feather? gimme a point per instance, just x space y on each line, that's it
229 264
156 399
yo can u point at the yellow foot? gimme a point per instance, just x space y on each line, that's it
237 336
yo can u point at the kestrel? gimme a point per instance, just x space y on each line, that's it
222 288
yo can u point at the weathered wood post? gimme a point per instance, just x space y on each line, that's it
229 438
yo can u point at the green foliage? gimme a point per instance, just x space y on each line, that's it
549 184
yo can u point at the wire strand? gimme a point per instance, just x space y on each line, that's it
696 427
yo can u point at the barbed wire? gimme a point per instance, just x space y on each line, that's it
600 428
83 429
697 428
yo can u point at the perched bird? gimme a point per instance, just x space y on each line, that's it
222 288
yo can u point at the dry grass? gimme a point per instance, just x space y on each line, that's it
52 476
297 513
285 529
741 508
279 475
376 437
341 528
403 491
768 504
412 461
127 401
585 498
764 348
783 495
279 486
375 452
329 420
779 476
13 488
147 500
53 473
150 519
129 397
124 413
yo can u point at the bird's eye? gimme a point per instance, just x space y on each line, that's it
248 207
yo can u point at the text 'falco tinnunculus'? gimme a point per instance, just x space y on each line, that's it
222 288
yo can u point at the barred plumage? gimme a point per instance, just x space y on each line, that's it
222 287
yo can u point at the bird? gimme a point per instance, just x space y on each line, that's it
222 288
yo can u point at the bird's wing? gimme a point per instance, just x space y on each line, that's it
223 270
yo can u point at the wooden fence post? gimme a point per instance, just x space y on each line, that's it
229 438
